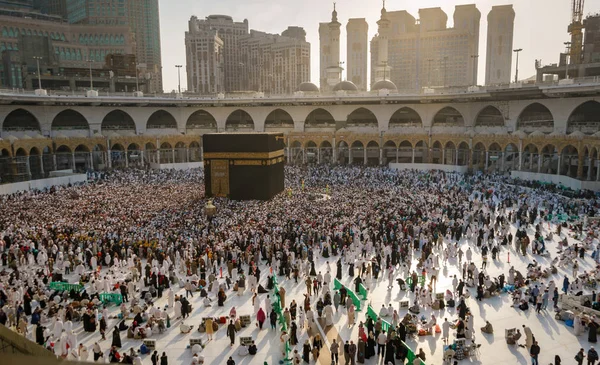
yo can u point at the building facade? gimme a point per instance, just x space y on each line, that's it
204 60
428 54
551 130
277 64
230 33
61 46
357 52
142 19
499 53
330 73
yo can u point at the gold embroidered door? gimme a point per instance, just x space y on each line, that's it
219 177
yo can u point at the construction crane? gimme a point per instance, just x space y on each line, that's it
576 31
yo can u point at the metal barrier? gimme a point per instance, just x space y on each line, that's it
279 311
362 290
63 286
115 298
385 325
420 280
337 286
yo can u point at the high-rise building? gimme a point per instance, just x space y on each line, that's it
25 34
498 59
426 53
230 33
56 7
204 59
222 56
591 43
357 52
329 38
277 64
141 16
17 4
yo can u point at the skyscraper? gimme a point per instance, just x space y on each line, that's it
329 39
357 52
426 53
498 61
230 32
56 7
276 64
141 16
204 51
223 57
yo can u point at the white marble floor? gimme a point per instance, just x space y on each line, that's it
553 336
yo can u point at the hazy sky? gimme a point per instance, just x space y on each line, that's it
540 25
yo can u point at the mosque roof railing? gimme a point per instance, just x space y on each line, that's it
580 87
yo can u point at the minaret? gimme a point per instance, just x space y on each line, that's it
334 38
383 70
329 35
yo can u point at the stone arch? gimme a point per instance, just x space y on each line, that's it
20 120
21 152
510 158
436 152
494 155
167 154
535 117
325 152
239 120
462 153
421 152
319 118
568 161
360 118
118 120
585 118
36 163
405 149
64 158
405 117
296 152
389 151
195 151
373 153
200 120
529 157
81 156
448 117
478 157
489 116
549 159
357 153
161 119
68 120
181 152
450 155
278 119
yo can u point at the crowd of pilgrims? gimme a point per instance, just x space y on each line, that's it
144 234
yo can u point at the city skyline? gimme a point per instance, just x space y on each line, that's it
264 15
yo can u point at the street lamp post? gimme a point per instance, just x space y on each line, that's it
91 79
429 60
567 58
445 71
37 60
475 57
137 77
517 51
179 77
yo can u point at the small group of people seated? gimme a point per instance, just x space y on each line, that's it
248 350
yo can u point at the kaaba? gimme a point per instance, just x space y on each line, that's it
243 166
